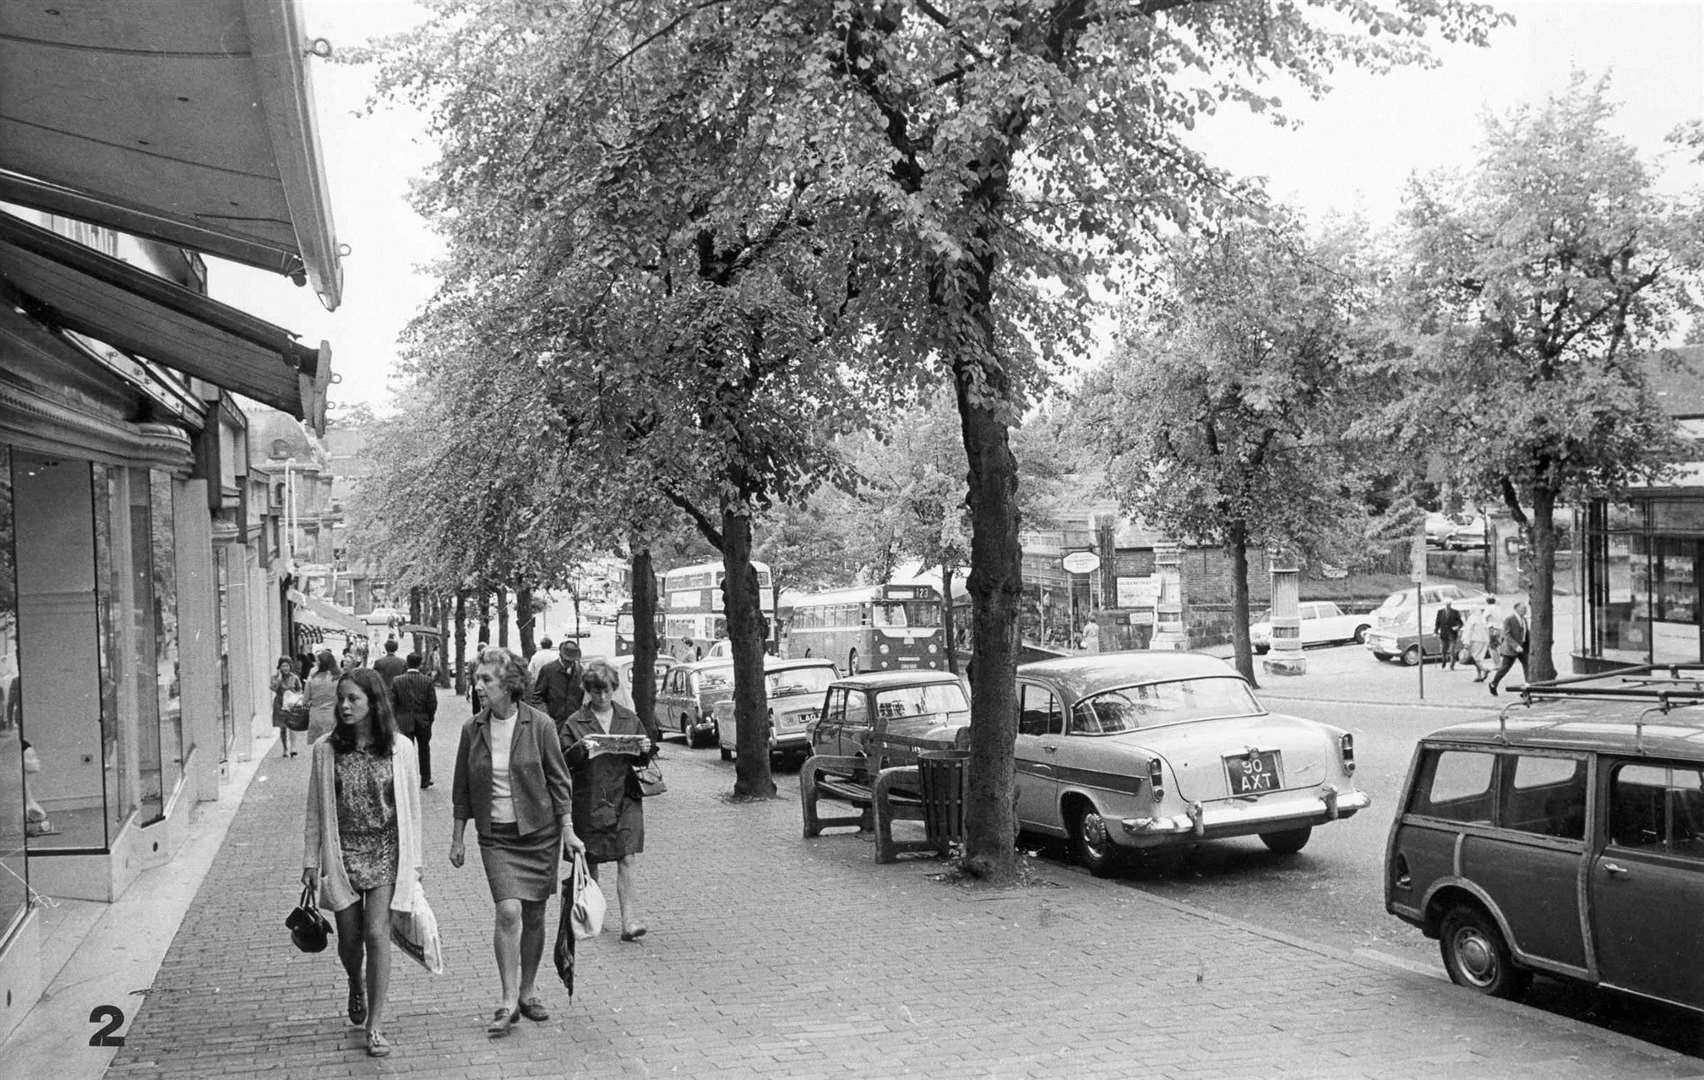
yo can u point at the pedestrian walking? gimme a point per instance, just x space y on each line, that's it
1476 643
545 654
362 850
512 783
390 665
415 700
321 690
1513 646
557 690
284 681
1447 625
609 813
475 696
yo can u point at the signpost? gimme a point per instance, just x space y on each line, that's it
1081 562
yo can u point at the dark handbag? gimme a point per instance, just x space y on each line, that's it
309 930
649 778
296 719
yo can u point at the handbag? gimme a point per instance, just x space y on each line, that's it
587 915
650 778
415 932
294 705
309 930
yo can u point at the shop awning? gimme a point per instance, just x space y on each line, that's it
63 283
316 612
185 121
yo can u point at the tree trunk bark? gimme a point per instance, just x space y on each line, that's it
1240 644
947 629
1541 630
644 595
415 606
524 616
484 618
502 616
441 662
742 602
461 642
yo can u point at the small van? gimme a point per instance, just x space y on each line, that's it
1563 836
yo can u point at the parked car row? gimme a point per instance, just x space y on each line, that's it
1455 532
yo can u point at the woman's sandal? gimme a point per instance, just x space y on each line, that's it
377 1045
533 1009
357 1004
634 934
501 1021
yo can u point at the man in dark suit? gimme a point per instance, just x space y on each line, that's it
1513 646
557 689
390 665
1447 625
415 701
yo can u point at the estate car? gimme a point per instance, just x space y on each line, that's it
905 711
1401 633
795 692
688 696
1563 836
1121 752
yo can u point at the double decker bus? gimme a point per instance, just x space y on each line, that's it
691 601
869 628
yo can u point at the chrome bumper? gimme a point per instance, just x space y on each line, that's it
1241 818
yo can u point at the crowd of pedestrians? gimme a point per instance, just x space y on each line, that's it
1478 637
544 770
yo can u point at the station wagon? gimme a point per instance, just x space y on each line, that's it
903 711
688 696
1564 836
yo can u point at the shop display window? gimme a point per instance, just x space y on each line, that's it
18 810
168 693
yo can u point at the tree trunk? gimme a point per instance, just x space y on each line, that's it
484 637
1541 592
645 641
502 617
441 618
461 643
948 636
742 602
416 614
1240 643
524 615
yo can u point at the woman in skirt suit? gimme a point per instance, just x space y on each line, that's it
512 783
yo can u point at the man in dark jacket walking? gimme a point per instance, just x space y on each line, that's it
415 701
1447 625
557 689
390 665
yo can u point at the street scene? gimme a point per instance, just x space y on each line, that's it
1053 539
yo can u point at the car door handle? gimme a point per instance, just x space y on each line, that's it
1050 748
1614 870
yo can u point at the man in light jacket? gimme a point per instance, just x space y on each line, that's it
1513 646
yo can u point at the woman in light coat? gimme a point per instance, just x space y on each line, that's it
362 848
321 692
1476 643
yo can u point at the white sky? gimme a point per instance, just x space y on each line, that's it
1355 150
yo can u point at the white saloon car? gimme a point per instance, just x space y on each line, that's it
1323 623
1121 752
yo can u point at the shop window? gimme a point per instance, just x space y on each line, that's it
1674 600
19 811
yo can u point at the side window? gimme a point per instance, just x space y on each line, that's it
1660 807
1545 795
1455 785
857 713
1039 712
836 710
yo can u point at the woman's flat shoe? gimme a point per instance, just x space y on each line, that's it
377 1045
357 1005
501 1021
634 934
533 1009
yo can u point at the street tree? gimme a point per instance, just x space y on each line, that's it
1221 418
1543 282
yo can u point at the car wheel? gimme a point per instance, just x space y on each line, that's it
727 755
1476 955
1381 656
1260 650
1094 844
1361 634
686 730
1288 841
852 662
1411 655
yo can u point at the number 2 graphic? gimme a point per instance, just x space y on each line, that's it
114 1019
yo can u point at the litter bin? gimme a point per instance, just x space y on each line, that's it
941 778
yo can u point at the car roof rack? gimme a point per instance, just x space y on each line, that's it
1661 684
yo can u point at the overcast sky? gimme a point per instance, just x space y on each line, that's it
1355 149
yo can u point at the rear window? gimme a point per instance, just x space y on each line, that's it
1455 785
1142 706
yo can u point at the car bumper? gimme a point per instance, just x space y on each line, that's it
1219 820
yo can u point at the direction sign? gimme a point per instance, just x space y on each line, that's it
1082 562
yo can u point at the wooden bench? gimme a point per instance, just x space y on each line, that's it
878 804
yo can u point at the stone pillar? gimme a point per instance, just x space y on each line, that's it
1286 657
1169 633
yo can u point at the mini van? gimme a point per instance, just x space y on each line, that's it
1564 836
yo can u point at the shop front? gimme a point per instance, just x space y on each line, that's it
1640 574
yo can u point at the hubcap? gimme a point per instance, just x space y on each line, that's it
1478 960
1095 839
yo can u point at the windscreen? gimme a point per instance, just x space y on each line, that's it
793 681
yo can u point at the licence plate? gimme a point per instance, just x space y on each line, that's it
1250 774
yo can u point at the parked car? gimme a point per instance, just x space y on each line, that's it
904 711
689 695
623 666
1323 623
795 691
1130 751
1466 536
1440 525
1397 630
1564 837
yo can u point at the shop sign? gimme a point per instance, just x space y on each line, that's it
1081 562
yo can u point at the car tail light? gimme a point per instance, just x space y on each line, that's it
1346 747
1156 777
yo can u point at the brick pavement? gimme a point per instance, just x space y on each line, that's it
773 956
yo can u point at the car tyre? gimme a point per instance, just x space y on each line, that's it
1411 655
1381 656
1287 841
1361 634
1477 957
1095 848
686 731
852 662
727 755
1261 650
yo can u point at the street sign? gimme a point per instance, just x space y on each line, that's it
1417 559
1081 562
